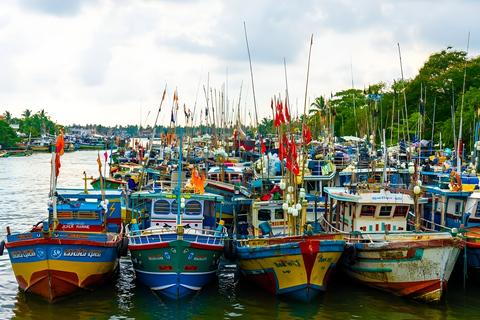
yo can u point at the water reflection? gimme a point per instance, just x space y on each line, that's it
24 184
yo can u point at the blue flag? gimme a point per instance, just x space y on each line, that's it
420 107
173 120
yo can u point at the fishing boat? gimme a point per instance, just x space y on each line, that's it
108 183
174 239
42 144
229 182
171 258
456 210
296 266
93 142
381 252
76 249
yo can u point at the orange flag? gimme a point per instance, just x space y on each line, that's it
59 152
99 163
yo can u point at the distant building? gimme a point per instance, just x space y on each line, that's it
81 131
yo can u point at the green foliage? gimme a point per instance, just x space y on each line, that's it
8 137
8 116
439 80
266 126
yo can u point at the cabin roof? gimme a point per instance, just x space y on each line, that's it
382 197
448 192
92 194
147 194
232 169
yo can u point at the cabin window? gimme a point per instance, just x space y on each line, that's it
193 208
162 207
264 215
174 207
368 210
385 211
234 176
278 214
458 206
400 211
477 212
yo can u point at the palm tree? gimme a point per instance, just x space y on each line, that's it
318 104
27 113
42 113
314 115
267 126
8 116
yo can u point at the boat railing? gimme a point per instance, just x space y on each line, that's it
166 185
341 162
156 235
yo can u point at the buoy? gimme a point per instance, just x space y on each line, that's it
455 181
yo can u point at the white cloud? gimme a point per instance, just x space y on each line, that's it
105 62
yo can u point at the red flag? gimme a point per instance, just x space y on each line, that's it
271 105
287 115
280 111
263 148
308 139
276 122
295 169
307 136
281 151
106 156
289 163
287 144
293 150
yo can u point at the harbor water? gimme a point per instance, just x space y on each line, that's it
24 186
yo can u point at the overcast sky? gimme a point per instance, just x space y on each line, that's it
108 61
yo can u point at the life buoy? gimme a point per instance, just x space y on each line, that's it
455 181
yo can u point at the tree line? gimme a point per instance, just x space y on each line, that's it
409 109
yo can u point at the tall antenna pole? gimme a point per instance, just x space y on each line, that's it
459 161
305 114
404 99
254 99
353 93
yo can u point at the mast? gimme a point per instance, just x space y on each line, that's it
178 192
304 138
140 182
433 124
459 162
